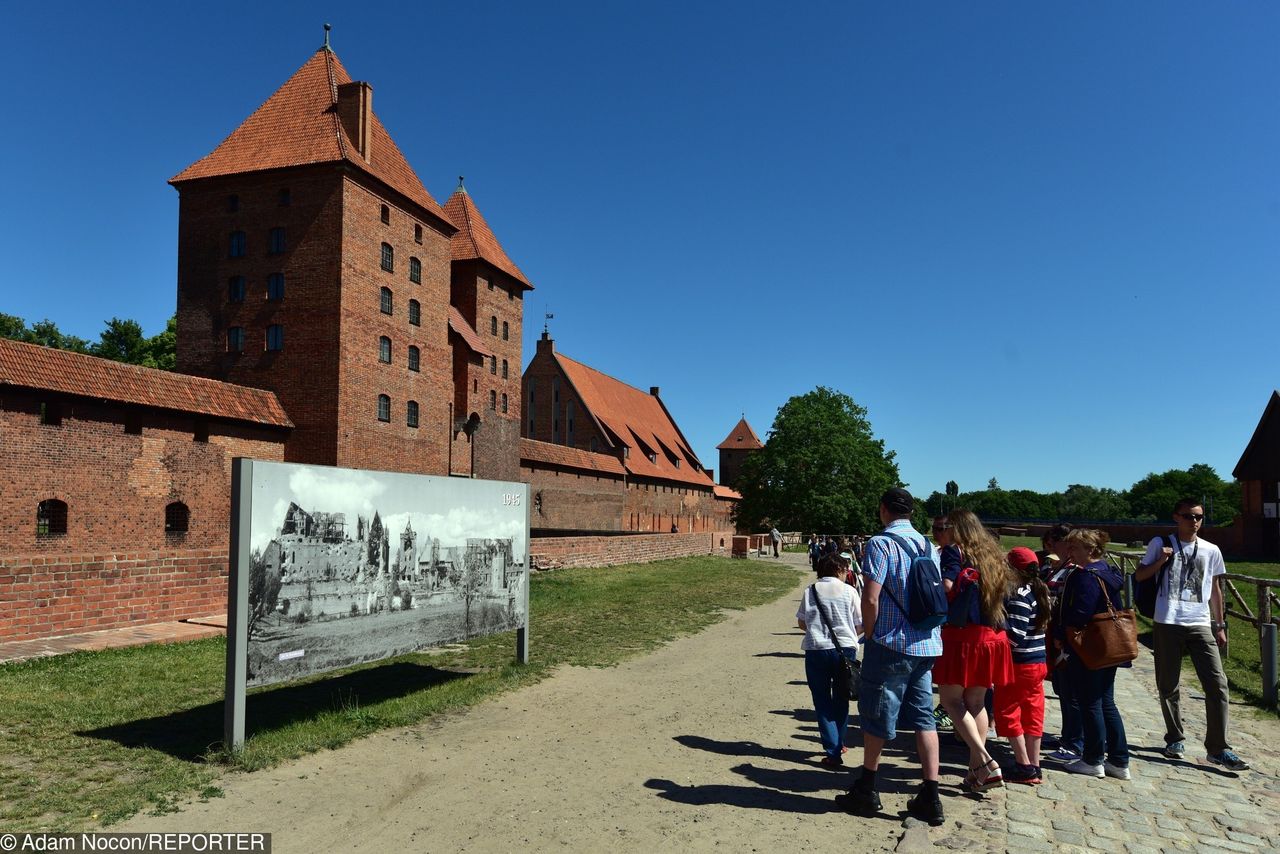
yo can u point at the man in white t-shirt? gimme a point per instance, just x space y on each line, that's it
1189 618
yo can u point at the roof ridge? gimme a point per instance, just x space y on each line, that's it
560 355
333 97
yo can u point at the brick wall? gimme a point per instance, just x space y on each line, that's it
573 500
627 548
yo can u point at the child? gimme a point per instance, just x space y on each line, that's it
1019 706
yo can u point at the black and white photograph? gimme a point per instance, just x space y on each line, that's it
349 566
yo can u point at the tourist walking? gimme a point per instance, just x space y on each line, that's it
831 618
776 537
1019 706
1189 620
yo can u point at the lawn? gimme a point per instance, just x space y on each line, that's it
91 738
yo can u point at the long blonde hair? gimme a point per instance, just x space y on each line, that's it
995 579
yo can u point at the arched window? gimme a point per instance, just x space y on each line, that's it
384 350
493 365
414 358
504 369
504 331
415 313
415 271
411 414
388 258
504 403
493 399
51 517
493 326
386 214
176 517
386 300
417 233
275 286
384 408
238 244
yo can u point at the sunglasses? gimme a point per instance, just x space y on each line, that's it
942 527
1194 517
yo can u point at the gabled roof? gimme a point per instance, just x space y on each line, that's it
741 437
44 368
459 324
638 421
563 455
1261 457
298 125
474 239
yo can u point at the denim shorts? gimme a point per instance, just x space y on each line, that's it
896 688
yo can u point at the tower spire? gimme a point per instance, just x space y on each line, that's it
325 46
461 189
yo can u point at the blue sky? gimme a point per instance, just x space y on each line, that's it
1036 241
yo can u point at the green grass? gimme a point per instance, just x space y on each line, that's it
91 738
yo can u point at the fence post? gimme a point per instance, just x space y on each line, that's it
1267 638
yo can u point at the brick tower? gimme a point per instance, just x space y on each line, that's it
313 262
736 447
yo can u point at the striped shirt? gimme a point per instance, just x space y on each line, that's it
886 563
1025 642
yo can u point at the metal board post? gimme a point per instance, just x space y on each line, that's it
238 602
522 633
1267 637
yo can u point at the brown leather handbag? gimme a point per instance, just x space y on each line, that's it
1109 639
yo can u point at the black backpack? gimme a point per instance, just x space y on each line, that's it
926 605
1144 592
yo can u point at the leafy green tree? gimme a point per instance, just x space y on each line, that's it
122 341
1091 504
1153 497
821 469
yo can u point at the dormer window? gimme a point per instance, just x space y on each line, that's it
653 458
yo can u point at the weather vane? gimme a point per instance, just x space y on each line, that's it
546 326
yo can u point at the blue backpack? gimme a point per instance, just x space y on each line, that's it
926 605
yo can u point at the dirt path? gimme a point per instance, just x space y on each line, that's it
708 742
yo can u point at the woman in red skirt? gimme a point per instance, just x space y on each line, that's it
975 649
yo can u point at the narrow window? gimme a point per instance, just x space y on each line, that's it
386 301
237 244
504 369
488 283
555 391
568 421
531 395
388 258
277 243
417 233
475 386
493 364
493 326
275 286
200 433
415 271
51 517
233 203
384 408
511 294
504 331
176 518
504 403
386 214
275 337
415 357
493 399
235 289
594 445
235 339
384 349
411 414
51 414
286 199
415 313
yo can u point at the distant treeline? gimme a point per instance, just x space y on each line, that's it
1149 500
121 340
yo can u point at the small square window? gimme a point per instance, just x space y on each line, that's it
277 242
275 337
275 286
201 431
51 414
235 289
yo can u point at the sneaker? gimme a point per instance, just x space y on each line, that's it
1028 775
941 718
1081 767
926 807
1228 759
1176 750
859 800
1119 772
831 762
1048 741
1063 754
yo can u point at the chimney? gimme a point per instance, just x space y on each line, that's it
546 345
711 473
653 390
355 111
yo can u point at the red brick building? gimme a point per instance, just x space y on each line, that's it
1259 474
734 450
605 456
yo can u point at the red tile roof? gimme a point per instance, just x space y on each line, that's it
562 455
298 125
639 421
475 239
728 493
459 324
35 367
741 437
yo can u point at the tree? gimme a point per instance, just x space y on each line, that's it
993 485
820 469
264 590
1153 497
1090 504
122 341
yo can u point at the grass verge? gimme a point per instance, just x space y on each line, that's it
91 738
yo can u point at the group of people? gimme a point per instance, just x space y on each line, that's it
1004 633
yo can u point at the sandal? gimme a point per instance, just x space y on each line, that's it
991 780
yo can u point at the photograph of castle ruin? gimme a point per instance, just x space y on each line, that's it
348 566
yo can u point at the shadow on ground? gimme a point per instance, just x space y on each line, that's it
191 734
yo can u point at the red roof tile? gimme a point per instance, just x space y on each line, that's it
35 367
298 125
562 455
475 239
727 493
459 324
741 437
639 421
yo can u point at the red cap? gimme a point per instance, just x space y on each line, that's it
1023 559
